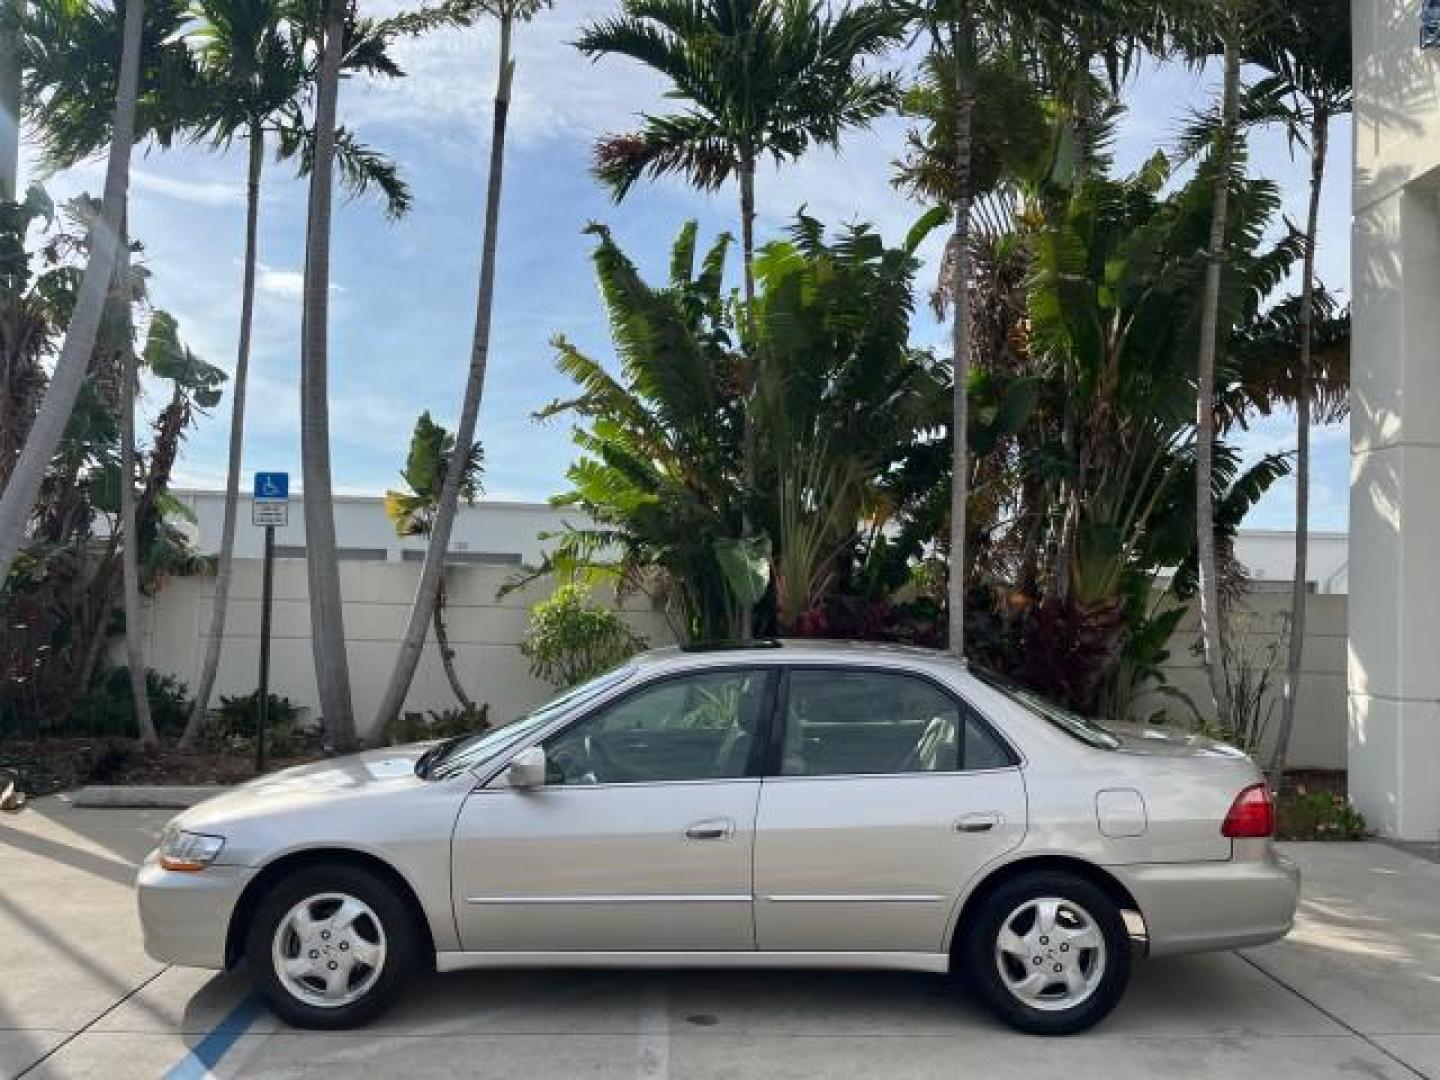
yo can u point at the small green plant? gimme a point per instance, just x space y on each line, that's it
423 726
1319 815
109 709
571 638
240 714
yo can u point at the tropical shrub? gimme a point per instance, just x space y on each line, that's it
1318 815
109 706
239 719
423 726
571 638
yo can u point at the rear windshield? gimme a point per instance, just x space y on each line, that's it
479 749
1072 723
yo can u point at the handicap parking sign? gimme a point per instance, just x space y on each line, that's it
272 485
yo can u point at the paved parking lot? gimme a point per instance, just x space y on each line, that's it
1354 992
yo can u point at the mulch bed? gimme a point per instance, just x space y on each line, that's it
45 766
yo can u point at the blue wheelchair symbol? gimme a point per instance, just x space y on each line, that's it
272 485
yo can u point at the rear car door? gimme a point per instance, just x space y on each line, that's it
889 793
641 838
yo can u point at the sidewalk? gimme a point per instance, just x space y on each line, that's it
1355 991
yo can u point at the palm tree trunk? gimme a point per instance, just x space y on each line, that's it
1319 145
447 655
1210 613
18 500
327 622
10 13
225 570
432 573
749 444
129 523
963 34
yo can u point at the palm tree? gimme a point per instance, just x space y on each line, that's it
1224 151
427 591
122 334
254 80
762 78
18 500
986 129
413 513
11 15
1227 27
1309 51
327 620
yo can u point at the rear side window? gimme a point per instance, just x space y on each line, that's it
846 723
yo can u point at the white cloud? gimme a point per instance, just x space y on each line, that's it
450 82
198 192
284 284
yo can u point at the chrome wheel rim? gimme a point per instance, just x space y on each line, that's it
1050 954
329 950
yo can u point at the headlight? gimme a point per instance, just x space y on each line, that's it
181 850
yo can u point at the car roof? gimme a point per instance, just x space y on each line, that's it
795 651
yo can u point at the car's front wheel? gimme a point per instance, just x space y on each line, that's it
331 946
1049 953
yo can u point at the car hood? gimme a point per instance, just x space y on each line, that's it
341 778
1169 742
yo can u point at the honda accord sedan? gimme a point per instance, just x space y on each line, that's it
782 804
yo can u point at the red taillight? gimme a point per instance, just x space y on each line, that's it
1251 815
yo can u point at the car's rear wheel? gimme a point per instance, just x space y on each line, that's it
331 946
1049 953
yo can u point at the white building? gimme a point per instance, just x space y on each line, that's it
1394 677
1269 556
490 533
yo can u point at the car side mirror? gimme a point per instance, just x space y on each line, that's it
526 770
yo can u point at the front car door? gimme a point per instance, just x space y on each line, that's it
641 838
889 794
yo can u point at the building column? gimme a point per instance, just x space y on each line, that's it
1394 656
1394 616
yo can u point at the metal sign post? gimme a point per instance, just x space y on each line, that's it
269 510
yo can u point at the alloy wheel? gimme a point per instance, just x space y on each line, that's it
329 950
1050 953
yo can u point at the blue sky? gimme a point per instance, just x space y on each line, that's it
403 301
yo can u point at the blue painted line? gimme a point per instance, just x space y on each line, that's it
207 1053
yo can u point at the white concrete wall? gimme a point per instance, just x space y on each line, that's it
1320 724
1394 679
484 632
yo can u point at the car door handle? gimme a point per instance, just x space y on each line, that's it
973 823
713 829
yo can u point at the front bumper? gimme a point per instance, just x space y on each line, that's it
1199 907
185 917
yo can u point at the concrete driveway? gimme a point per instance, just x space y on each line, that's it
1354 992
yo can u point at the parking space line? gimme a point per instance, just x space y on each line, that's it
206 1054
1333 1018
652 1046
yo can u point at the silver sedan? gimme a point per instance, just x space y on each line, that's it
780 805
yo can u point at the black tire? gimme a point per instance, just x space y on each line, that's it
402 940
977 953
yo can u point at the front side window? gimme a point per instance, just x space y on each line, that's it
868 722
701 726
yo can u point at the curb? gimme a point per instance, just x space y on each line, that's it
116 796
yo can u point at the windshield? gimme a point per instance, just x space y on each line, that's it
476 750
1072 723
